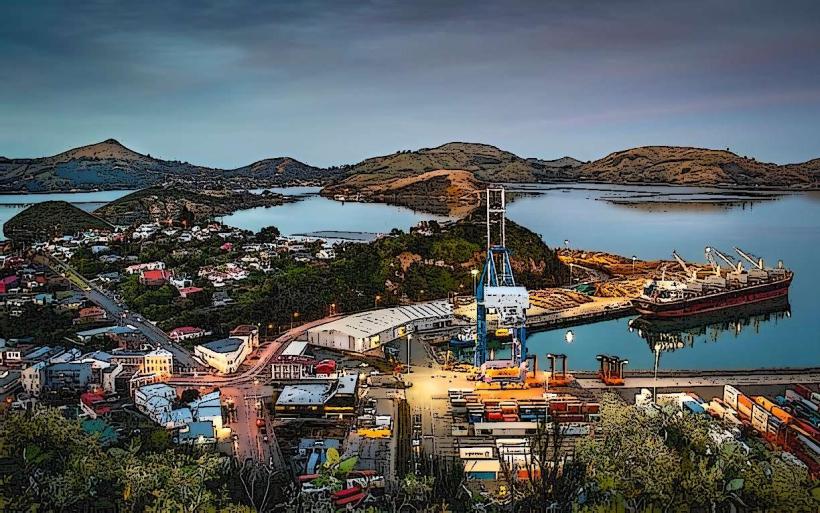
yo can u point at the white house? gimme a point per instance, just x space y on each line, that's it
224 355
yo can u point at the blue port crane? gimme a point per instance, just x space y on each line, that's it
496 286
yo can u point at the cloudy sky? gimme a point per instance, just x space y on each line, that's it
228 82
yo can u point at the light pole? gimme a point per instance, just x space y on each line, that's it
376 301
409 336
474 272
293 318
655 381
633 263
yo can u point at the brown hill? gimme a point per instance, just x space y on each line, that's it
696 166
487 163
442 191
110 165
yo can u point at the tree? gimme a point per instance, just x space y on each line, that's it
553 482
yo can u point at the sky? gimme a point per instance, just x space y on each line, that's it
228 82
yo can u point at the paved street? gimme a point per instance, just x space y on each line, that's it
183 360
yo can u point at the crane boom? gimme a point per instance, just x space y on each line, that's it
755 261
681 261
737 266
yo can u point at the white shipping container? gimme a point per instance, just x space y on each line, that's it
476 453
730 394
760 418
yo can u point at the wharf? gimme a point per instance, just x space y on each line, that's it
684 379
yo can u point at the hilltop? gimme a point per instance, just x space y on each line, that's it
487 163
696 166
179 204
50 218
109 165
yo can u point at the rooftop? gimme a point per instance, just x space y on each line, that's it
368 324
295 348
310 394
226 345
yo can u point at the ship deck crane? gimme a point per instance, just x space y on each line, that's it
753 260
682 262
496 289
737 266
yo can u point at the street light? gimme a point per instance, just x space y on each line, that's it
376 300
293 317
474 272
633 263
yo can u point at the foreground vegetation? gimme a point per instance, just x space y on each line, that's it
641 462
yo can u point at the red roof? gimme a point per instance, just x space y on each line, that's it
155 274
185 330
189 290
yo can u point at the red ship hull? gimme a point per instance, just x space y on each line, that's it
713 302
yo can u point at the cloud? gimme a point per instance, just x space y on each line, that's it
264 77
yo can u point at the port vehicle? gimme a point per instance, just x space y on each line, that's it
722 287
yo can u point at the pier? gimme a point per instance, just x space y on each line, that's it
711 378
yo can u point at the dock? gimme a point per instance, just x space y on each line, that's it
684 379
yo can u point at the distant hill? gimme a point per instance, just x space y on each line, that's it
376 178
696 166
487 163
177 204
51 218
441 191
110 165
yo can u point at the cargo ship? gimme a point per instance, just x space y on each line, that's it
673 333
720 288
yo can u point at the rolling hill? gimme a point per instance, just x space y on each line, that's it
179 204
696 166
110 165
50 218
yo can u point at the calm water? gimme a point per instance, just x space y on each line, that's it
11 204
315 213
787 229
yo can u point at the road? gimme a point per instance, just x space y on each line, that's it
183 359
259 371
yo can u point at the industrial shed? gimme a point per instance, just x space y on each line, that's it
367 330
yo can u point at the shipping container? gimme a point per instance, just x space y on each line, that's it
760 419
730 396
476 453
774 409
692 407
744 406
510 418
804 391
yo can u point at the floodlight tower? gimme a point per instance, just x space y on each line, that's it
496 285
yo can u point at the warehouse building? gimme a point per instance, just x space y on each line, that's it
368 330
329 399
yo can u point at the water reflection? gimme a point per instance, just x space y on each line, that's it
667 335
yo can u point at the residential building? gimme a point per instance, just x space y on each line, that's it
32 378
208 408
67 375
186 333
159 362
91 314
196 433
149 266
224 355
154 278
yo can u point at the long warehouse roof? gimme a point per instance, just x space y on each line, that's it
368 324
